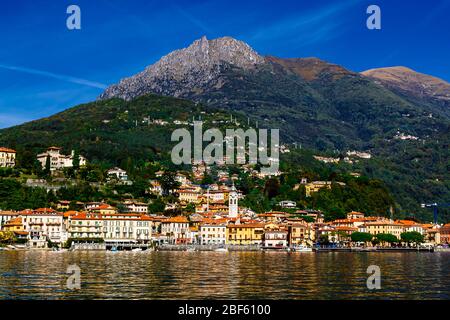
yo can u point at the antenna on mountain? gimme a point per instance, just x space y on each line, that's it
248 121
256 124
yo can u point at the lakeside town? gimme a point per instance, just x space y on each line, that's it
205 216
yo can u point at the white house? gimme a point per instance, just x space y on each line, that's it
176 229
288 204
118 173
58 160
42 225
212 234
275 239
136 207
7 158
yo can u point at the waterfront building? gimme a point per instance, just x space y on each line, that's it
5 216
411 226
212 234
112 228
58 160
43 225
297 234
16 226
86 225
7 158
126 228
245 234
275 239
176 229
384 226
445 234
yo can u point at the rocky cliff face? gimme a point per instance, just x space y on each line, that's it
187 71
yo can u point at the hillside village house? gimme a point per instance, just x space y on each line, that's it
315 186
7 158
136 207
188 195
117 173
155 187
288 204
58 160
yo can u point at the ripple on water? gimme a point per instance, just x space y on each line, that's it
234 275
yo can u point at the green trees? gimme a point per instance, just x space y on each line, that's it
76 160
157 206
361 237
386 238
412 237
47 166
168 182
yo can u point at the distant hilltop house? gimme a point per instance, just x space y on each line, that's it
327 159
7 158
315 186
58 160
118 173
287 204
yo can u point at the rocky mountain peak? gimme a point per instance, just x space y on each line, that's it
186 70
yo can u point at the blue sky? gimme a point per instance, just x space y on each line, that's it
46 68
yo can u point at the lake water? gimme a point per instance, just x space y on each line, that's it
223 275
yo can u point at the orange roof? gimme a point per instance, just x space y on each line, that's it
14 222
247 225
7 150
177 219
70 213
346 229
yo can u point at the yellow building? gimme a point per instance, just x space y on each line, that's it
7 158
245 234
188 196
385 226
14 225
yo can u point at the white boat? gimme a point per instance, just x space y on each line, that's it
302 248
136 250
221 250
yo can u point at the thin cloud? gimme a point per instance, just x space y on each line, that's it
193 19
311 27
55 76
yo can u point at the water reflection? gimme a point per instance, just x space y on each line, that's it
218 275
